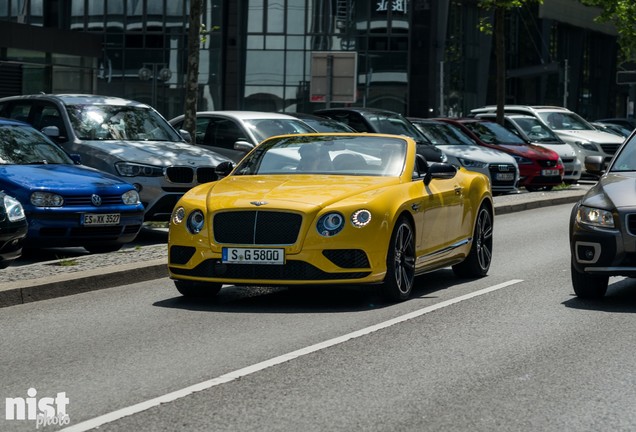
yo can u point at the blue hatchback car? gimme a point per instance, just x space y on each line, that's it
66 204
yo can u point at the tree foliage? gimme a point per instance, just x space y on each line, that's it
621 13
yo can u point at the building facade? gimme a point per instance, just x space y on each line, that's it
422 58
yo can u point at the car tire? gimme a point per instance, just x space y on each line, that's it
103 248
192 289
477 263
400 263
587 286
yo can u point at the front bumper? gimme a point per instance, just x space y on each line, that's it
314 266
603 251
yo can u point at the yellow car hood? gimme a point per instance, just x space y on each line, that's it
301 192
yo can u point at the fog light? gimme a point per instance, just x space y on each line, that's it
587 252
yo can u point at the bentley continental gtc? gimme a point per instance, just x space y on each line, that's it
331 209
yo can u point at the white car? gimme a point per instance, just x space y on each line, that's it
570 127
122 137
531 129
461 150
234 133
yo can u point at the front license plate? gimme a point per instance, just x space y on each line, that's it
100 219
253 256
505 176
549 173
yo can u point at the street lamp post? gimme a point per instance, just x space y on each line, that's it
155 72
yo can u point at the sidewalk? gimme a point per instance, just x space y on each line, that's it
135 263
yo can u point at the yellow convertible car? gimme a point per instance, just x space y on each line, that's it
331 209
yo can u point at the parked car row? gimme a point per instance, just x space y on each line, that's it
92 168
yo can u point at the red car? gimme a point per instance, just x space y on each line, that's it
539 168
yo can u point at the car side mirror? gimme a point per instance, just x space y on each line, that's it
185 135
51 131
439 170
595 164
224 169
243 146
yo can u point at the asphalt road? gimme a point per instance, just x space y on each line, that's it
514 351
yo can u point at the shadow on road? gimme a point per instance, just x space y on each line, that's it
306 298
620 298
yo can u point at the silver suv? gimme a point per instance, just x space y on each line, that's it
570 127
122 137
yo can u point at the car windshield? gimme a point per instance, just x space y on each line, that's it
393 124
327 154
625 160
266 128
327 125
118 122
536 131
444 134
20 145
493 133
564 121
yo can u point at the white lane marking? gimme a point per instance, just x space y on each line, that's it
231 376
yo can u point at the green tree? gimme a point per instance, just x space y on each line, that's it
621 13
499 7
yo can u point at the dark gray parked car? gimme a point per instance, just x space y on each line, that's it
122 137
375 120
603 225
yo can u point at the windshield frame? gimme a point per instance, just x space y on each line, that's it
376 156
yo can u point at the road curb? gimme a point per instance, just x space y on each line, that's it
513 208
20 292
27 291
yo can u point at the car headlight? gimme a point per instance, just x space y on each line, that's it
131 197
595 217
46 199
469 163
330 224
360 218
522 160
195 222
586 145
15 211
129 169
178 215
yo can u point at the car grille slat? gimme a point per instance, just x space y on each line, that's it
86 200
180 174
252 227
631 223
184 174
610 148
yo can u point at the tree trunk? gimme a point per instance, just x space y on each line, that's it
501 62
192 80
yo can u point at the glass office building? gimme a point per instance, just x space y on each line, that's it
418 57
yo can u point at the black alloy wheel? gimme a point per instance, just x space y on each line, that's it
400 274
